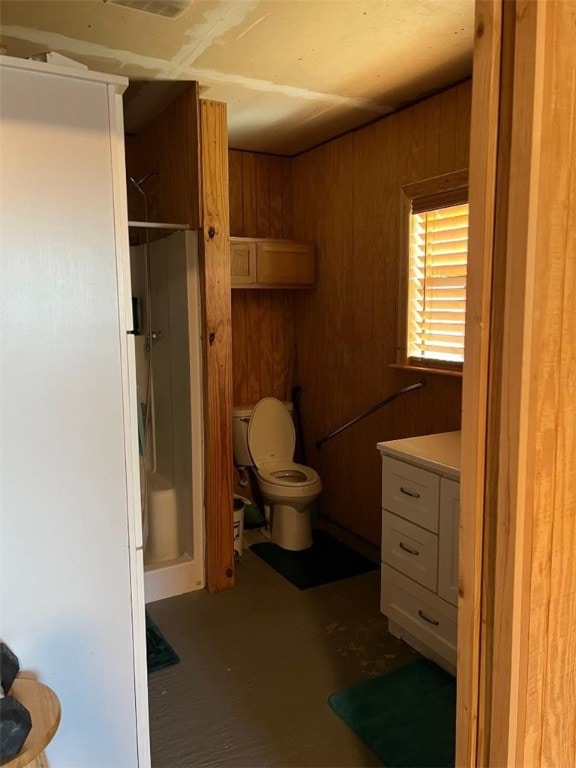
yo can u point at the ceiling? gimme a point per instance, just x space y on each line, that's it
294 73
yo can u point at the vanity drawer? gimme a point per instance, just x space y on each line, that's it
410 549
411 492
419 613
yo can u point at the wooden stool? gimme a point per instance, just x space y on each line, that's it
44 708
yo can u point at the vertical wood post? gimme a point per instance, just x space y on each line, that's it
516 706
482 195
217 346
533 666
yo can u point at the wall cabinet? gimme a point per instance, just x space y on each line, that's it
262 263
420 509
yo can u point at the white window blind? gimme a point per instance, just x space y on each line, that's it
437 283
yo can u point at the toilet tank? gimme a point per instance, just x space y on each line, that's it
240 419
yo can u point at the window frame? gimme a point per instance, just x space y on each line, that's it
437 186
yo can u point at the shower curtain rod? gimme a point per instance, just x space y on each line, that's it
157 225
370 411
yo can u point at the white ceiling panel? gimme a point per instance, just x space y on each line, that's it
294 73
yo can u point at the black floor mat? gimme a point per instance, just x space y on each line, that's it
326 561
159 652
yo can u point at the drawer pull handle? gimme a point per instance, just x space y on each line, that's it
430 621
406 492
407 549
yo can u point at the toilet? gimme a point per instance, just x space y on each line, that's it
264 438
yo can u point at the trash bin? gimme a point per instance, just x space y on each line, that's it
239 505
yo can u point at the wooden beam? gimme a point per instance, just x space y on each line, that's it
499 256
534 627
214 245
523 687
509 481
482 193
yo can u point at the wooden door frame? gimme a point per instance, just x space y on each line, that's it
512 410
513 57
482 196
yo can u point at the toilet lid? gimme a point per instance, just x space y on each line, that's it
271 434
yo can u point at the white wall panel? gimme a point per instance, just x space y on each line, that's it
66 589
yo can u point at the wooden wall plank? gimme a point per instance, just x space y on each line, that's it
275 200
235 172
533 666
448 130
215 270
169 147
326 356
289 344
280 356
264 326
262 200
239 351
252 345
482 186
435 140
263 341
462 137
249 195
287 202
550 712
512 482
486 510
347 201
419 148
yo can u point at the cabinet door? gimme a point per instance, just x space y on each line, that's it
448 540
243 262
284 264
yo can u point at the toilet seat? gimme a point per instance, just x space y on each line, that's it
271 433
288 474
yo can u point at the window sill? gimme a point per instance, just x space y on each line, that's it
426 369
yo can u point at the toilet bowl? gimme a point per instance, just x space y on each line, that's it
286 487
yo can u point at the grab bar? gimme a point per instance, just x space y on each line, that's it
370 411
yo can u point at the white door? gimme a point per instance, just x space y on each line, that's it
70 578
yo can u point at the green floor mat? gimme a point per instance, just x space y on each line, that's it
407 717
159 652
326 561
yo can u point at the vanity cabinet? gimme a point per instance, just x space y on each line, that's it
420 520
262 263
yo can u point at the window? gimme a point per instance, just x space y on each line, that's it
433 286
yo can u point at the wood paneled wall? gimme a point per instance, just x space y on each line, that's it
263 339
348 201
168 148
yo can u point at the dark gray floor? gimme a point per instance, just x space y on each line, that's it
257 665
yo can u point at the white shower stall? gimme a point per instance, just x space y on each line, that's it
166 301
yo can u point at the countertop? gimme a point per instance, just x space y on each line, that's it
440 453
